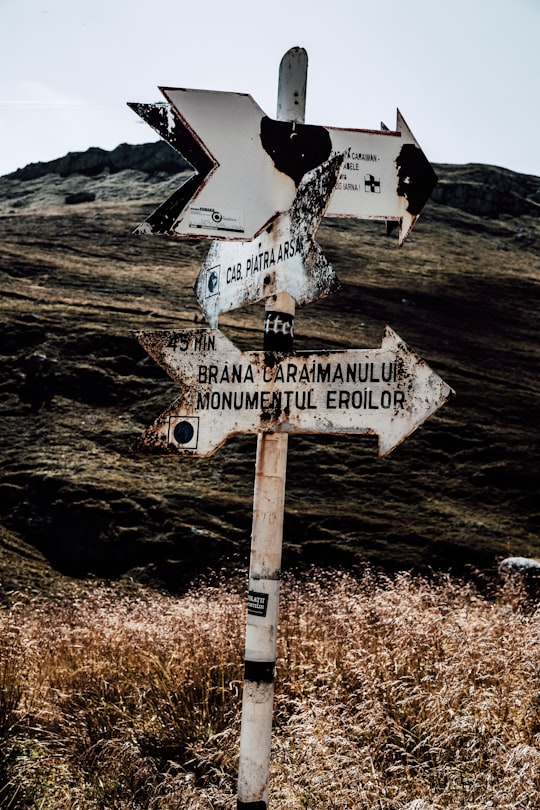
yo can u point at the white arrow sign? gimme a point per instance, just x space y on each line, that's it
284 258
249 166
385 176
240 191
387 391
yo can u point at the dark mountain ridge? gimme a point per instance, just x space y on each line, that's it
149 158
475 188
487 190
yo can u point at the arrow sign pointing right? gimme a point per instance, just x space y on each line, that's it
249 166
387 391
385 176
284 258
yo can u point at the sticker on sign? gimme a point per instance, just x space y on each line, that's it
211 218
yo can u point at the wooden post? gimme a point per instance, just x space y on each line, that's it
268 508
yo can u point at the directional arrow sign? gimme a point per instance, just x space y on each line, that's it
248 167
284 258
238 190
387 391
385 176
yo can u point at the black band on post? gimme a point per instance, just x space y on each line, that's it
259 671
278 332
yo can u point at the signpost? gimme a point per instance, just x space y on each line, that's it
387 391
283 258
264 186
249 165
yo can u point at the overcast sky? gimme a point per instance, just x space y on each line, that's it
464 73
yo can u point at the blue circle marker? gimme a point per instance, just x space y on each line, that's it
213 281
183 432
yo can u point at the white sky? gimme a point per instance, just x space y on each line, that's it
464 73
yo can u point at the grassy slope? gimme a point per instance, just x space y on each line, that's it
460 493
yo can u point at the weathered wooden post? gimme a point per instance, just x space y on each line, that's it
268 510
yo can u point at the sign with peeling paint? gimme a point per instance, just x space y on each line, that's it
385 176
283 258
237 190
387 391
248 167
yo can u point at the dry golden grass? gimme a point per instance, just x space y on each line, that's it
390 694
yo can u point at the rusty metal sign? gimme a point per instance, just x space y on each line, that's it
248 167
385 176
387 391
238 190
284 258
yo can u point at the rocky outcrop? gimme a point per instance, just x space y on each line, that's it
525 570
80 197
149 158
487 190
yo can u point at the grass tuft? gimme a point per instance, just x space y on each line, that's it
395 694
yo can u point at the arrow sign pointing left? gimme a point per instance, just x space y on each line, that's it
387 391
249 166
284 258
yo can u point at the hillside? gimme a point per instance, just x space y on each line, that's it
458 496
